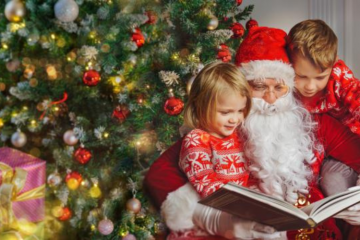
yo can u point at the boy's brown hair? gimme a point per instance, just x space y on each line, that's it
214 79
315 40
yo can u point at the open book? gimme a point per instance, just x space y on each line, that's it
249 204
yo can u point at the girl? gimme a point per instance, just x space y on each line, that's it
212 154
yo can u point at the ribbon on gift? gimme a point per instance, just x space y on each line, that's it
12 183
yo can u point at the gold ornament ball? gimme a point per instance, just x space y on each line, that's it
133 205
95 192
15 11
213 23
33 82
73 184
2 87
70 138
57 211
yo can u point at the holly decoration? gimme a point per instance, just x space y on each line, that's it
137 37
173 106
91 78
66 215
251 23
238 30
224 53
82 155
120 113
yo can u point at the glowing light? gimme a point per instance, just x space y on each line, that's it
106 135
1 123
53 36
4 46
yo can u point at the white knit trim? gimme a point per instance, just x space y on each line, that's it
261 69
179 206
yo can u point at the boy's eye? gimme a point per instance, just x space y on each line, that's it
299 76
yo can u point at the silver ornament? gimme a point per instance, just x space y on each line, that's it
66 10
70 138
213 23
54 179
105 226
15 11
133 205
18 139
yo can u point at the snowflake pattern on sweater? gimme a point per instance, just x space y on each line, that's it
342 97
210 162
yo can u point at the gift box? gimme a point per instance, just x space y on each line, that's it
25 175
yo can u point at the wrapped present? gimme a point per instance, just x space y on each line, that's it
22 191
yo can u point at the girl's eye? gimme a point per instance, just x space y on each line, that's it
224 113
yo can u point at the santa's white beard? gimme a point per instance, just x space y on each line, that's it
280 146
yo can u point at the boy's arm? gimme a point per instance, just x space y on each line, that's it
196 162
345 88
338 141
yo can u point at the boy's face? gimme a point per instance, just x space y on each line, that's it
310 81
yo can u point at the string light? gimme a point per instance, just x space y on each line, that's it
53 36
4 46
1 123
106 134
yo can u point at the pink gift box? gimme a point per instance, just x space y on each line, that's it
32 210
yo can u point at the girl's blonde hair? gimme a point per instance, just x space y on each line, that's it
213 80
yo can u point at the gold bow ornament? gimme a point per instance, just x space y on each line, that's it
12 184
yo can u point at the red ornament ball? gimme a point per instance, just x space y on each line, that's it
82 155
120 113
74 175
224 53
66 214
239 2
173 106
137 37
91 78
251 23
238 30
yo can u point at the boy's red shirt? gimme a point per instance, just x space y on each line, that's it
341 98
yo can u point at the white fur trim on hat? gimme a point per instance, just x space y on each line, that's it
179 206
261 69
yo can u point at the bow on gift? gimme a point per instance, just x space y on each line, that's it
11 185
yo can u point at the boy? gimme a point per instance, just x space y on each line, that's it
323 82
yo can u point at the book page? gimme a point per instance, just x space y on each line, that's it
251 205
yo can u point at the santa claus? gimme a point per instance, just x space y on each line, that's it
284 145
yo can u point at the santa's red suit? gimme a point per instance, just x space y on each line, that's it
169 189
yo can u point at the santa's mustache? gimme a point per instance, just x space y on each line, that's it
262 107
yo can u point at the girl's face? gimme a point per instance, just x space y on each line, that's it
229 114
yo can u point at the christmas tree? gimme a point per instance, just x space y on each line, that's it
96 89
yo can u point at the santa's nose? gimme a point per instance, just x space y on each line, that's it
269 97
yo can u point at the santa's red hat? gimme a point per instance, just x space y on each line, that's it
262 54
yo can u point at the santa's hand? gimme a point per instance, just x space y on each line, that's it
352 214
226 225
